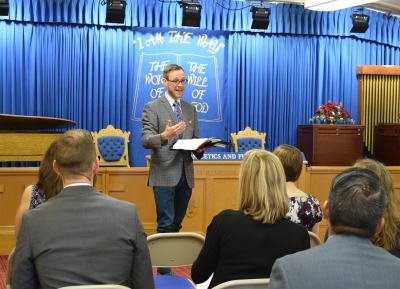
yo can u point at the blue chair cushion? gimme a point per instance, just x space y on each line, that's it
111 147
172 282
248 143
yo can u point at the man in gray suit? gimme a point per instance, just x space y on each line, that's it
81 236
348 259
171 175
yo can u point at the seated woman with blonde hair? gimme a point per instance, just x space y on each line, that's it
245 243
389 236
304 208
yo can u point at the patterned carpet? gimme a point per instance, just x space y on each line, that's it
181 271
3 269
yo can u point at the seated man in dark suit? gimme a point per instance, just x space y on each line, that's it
348 259
81 236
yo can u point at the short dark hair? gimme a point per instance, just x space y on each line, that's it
356 202
75 153
292 161
169 68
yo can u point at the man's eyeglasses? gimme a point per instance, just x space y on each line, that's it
176 82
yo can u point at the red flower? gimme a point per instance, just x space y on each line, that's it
332 112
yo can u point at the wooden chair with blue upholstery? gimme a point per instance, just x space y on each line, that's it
112 147
248 139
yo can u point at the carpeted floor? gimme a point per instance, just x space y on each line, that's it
181 271
3 269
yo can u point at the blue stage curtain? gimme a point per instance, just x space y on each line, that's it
59 58
82 73
280 80
224 15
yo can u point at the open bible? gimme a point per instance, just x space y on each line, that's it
198 143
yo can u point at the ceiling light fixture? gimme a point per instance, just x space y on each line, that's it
331 5
115 11
4 8
191 13
260 17
360 22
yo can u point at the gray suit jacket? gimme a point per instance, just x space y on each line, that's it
82 236
344 261
166 164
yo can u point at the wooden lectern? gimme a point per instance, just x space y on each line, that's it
387 143
331 145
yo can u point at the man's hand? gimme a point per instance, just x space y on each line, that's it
172 130
201 150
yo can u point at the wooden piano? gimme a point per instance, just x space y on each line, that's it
23 138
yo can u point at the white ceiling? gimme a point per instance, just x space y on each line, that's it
390 7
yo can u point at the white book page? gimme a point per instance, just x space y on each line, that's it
189 144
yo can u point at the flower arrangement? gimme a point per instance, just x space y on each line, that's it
332 113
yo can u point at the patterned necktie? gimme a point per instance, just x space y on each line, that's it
178 113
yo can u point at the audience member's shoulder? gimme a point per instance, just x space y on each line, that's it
312 198
43 207
393 257
389 257
230 213
126 210
228 216
292 225
119 203
396 252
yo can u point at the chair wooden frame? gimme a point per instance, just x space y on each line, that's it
314 239
10 264
111 131
247 132
174 250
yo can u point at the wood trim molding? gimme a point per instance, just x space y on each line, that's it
378 70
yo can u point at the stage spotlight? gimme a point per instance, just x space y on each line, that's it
360 23
115 11
260 17
4 8
191 13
